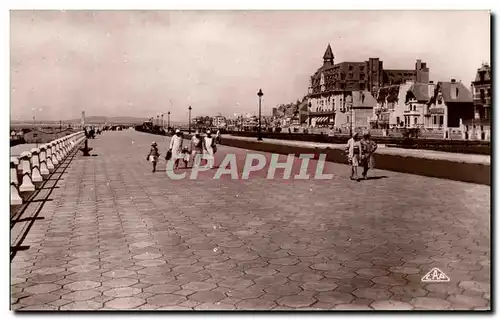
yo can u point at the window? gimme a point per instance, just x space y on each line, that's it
441 120
361 68
415 120
350 68
342 76
361 86
481 94
350 75
489 93
434 119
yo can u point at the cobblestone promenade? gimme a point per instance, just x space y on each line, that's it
117 236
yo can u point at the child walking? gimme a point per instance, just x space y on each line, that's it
153 155
185 156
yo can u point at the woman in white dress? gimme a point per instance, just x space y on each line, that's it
209 149
176 148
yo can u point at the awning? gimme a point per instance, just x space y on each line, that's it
323 120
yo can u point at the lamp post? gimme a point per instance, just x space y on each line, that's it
260 94
168 120
158 120
162 122
189 129
350 123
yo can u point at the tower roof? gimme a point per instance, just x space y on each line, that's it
328 53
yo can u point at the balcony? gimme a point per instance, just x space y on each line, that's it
485 101
436 110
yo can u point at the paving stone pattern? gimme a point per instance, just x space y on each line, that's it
118 236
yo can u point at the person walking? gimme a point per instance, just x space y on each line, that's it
209 149
354 155
153 155
368 147
196 148
217 136
176 148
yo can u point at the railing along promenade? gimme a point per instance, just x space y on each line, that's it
32 168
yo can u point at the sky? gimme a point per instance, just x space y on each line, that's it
142 63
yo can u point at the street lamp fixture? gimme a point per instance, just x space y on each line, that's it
260 94
189 129
168 120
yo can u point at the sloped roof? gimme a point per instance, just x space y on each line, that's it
422 91
487 73
464 94
363 99
304 105
389 92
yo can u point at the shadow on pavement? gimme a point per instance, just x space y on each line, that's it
376 177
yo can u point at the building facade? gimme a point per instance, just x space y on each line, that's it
331 87
219 122
481 88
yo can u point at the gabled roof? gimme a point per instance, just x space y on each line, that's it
464 94
422 91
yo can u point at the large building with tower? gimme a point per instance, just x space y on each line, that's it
331 87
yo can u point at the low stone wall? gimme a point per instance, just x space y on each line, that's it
456 146
444 169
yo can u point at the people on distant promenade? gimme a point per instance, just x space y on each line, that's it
209 149
368 147
176 148
354 154
196 148
153 155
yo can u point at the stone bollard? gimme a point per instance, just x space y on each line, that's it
15 198
36 177
66 145
58 151
53 154
48 155
62 150
44 170
26 185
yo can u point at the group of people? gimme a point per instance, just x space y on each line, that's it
360 152
200 148
91 132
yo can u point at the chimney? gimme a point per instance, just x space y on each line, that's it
453 81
